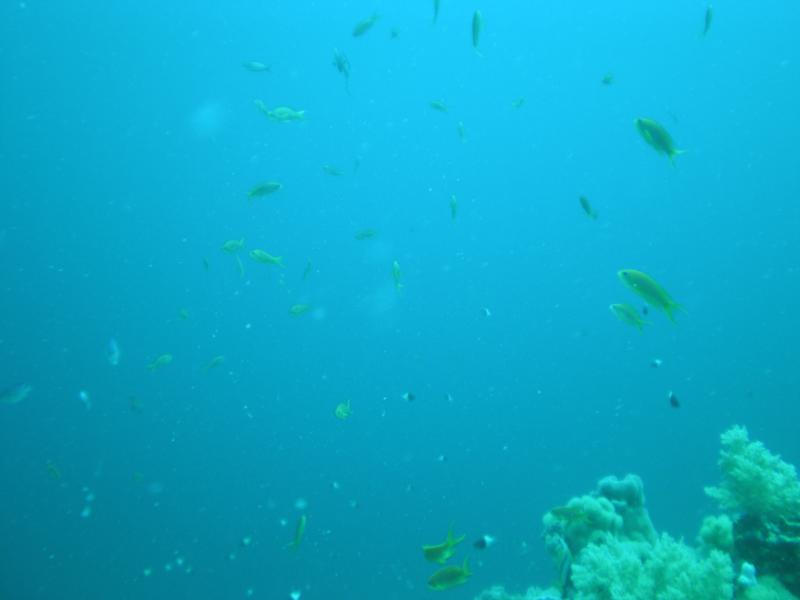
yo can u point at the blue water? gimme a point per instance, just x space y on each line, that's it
129 139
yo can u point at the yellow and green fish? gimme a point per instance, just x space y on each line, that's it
449 577
233 246
299 309
364 25
265 258
366 234
441 553
657 137
299 532
161 361
628 314
215 362
650 291
263 189
343 410
282 114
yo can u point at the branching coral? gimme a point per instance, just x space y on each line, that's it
668 570
755 481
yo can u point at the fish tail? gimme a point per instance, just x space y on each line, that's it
671 309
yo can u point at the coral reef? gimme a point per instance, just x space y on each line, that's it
605 547
666 570
762 493
716 532
498 592
755 481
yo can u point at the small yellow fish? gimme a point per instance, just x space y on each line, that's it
265 258
441 553
183 314
364 25
331 170
652 293
299 532
233 246
450 577
436 4
255 66
282 114
299 309
453 207
628 314
264 189
307 271
439 105
517 104
366 234
161 361
215 362
607 79
462 132
343 410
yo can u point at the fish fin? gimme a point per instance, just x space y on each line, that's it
465 566
675 153
671 309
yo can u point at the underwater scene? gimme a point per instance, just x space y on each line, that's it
362 300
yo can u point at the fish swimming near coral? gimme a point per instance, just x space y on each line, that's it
441 553
450 577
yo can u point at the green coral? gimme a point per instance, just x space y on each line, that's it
667 570
755 481
768 588
615 507
716 533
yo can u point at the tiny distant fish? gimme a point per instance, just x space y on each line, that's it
483 542
16 394
364 25
255 66
113 352
587 207
709 18
673 400
409 397
477 27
